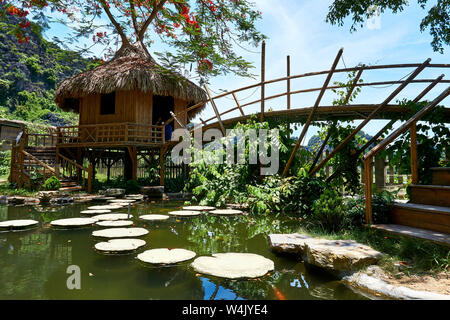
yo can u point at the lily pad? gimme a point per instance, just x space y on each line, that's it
17 224
111 217
92 212
199 208
226 212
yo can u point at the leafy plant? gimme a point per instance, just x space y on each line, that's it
52 183
329 211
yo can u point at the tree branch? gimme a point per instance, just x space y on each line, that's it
150 19
115 23
133 17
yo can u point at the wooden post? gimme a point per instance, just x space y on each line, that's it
263 78
90 177
57 163
414 164
12 168
161 166
288 90
368 188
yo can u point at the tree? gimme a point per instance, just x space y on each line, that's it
201 32
437 20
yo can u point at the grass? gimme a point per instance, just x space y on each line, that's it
6 190
417 256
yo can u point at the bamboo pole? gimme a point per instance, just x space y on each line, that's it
263 78
414 164
288 90
238 104
311 114
213 104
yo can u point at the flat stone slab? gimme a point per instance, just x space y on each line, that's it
120 233
166 256
103 199
119 245
105 207
226 212
121 201
111 217
233 265
134 197
154 217
17 224
115 223
92 212
185 213
199 208
73 222
339 257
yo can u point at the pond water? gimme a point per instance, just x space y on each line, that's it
33 264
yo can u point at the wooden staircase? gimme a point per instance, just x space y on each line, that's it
429 205
38 159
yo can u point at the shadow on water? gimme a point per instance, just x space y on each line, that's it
34 263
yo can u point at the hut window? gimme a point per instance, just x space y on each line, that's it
108 103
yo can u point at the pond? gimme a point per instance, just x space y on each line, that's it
34 263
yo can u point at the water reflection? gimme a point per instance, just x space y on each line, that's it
34 263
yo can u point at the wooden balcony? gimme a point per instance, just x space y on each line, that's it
111 135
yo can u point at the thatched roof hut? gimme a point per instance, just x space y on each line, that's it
132 68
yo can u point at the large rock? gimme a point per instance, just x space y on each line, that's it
153 192
46 196
339 257
114 192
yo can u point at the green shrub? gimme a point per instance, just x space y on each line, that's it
52 183
380 209
329 211
132 186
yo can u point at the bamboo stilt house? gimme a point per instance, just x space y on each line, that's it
123 105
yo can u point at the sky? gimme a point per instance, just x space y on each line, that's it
298 28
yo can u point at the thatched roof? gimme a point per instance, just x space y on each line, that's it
132 68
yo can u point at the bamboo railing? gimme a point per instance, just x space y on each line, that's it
408 125
110 134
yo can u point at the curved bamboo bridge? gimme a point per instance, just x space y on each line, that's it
140 139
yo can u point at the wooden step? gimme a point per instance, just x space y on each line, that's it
430 194
421 216
434 236
440 176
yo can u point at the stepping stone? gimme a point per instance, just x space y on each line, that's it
111 217
166 256
226 212
122 204
233 265
73 222
103 199
135 197
119 245
198 208
185 213
105 207
92 212
115 223
120 233
121 201
17 224
154 217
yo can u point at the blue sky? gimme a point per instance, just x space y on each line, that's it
298 29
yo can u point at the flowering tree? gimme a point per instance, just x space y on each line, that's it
201 32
